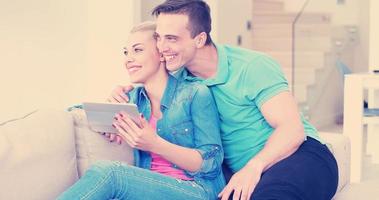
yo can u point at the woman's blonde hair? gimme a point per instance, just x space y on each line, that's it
144 26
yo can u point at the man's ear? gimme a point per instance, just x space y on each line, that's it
200 39
161 57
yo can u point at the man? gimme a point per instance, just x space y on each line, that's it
271 150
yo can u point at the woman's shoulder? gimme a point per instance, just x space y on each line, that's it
193 88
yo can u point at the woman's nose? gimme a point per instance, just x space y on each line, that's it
128 59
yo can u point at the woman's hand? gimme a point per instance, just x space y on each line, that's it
118 95
113 137
143 137
242 183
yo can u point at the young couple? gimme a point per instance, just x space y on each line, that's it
272 152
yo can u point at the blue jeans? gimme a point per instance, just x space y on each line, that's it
114 180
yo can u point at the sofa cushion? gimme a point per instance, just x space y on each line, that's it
367 190
92 146
37 155
339 145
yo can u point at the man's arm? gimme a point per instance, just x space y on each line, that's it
282 114
118 94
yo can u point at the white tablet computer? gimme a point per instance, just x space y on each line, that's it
101 115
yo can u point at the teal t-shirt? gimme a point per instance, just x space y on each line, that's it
244 81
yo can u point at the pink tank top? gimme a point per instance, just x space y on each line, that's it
161 165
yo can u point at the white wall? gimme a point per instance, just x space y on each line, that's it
56 53
374 35
146 7
373 50
361 54
213 5
108 25
229 20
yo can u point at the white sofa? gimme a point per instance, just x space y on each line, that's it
44 152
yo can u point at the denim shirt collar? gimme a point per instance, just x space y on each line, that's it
168 94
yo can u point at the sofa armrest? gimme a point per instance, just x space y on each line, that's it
38 160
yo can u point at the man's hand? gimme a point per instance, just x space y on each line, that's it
143 137
118 94
242 183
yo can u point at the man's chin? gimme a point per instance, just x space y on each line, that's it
173 68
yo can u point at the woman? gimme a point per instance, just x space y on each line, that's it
178 151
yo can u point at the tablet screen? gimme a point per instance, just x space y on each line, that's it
100 116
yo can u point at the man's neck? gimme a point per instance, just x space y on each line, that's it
205 62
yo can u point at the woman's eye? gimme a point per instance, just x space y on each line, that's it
137 50
125 53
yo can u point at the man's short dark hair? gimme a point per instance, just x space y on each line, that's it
198 15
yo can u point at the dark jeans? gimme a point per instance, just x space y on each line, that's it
311 173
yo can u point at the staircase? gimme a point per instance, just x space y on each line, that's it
318 85
328 91
272 34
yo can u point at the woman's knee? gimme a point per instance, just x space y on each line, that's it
103 168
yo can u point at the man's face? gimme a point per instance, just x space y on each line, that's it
174 40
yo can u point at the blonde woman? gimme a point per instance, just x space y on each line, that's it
178 152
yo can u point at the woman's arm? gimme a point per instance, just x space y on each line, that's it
206 157
145 138
186 158
207 153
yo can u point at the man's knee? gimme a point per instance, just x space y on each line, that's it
276 191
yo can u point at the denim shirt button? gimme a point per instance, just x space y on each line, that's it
186 130
159 129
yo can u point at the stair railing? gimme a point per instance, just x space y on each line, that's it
344 43
293 25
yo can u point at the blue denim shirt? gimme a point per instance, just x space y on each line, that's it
190 119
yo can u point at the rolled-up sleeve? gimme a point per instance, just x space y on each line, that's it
207 137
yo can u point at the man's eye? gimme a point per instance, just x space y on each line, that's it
125 52
172 39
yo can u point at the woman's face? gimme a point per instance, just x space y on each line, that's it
142 57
